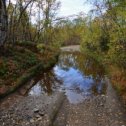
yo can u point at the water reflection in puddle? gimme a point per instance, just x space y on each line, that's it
78 76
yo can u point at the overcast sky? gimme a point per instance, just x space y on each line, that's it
69 7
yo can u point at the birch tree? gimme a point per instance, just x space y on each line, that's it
3 22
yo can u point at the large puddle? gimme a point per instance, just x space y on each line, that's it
80 77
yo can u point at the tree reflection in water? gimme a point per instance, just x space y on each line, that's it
46 83
78 75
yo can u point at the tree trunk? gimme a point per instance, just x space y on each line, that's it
3 22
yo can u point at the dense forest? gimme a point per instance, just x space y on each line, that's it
62 69
34 24
106 34
102 31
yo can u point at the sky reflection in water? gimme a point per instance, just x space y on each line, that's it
79 76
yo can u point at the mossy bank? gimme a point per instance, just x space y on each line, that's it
20 63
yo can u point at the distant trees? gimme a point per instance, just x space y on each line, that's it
19 21
36 21
102 31
70 30
105 33
47 13
28 20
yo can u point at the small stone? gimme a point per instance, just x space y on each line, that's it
37 116
99 115
27 123
101 104
32 121
103 95
36 110
39 119
41 113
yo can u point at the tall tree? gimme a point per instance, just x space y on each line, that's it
3 22
49 9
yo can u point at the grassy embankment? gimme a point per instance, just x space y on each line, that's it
115 71
118 79
18 64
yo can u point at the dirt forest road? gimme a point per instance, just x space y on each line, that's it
56 110
103 110
71 48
